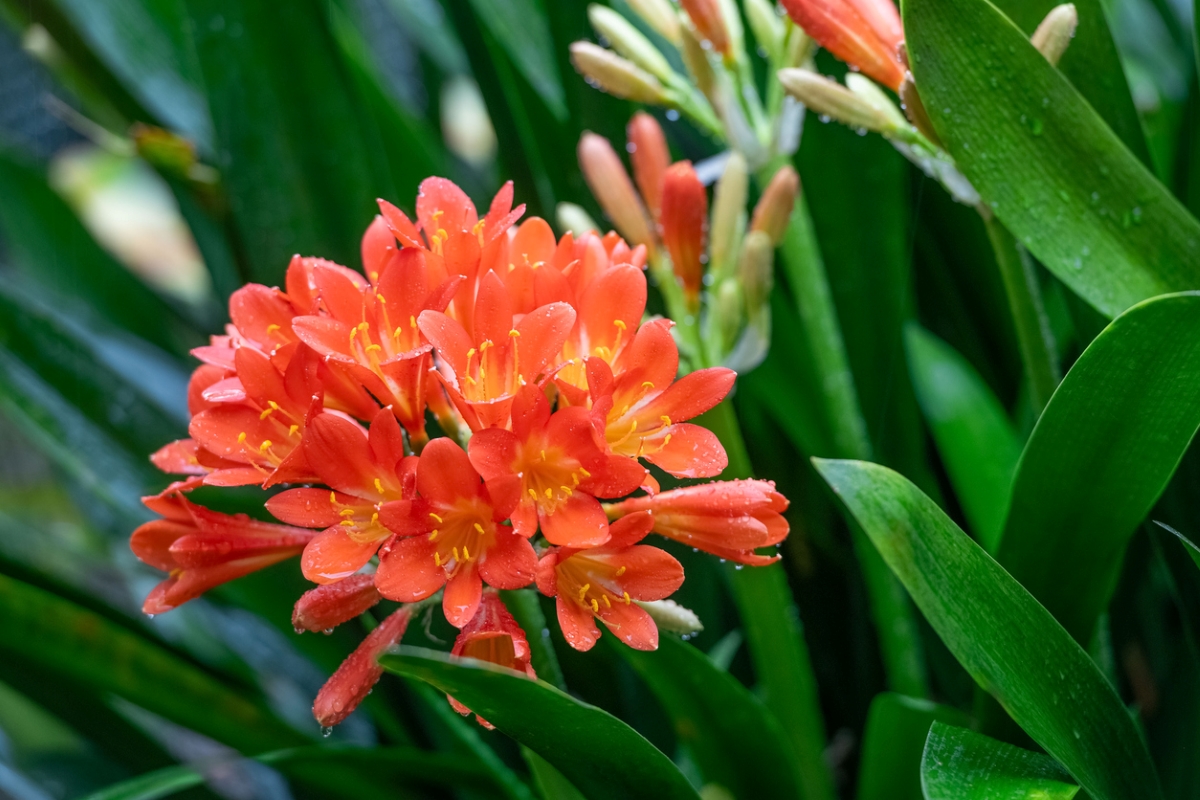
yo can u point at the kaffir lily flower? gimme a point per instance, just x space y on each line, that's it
331 604
866 34
451 535
201 549
729 519
494 636
683 223
359 673
604 581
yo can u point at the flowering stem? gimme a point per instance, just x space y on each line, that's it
775 636
1034 338
895 619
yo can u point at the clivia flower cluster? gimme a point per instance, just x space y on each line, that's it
474 412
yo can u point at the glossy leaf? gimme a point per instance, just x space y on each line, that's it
1045 162
962 765
1192 549
974 437
602 756
1100 456
893 741
735 740
1008 642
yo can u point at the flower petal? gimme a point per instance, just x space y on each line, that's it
407 571
333 555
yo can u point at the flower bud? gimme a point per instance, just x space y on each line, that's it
332 604
869 91
629 41
831 99
695 58
755 270
729 214
672 617
726 314
359 673
914 109
863 33
610 184
650 156
766 26
775 206
709 23
615 75
682 223
1055 32
575 219
660 16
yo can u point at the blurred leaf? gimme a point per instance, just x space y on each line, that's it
521 28
974 437
426 24
599 754
1045 162
961 765
48 243
1009 643
1100 456
1093 66
1188 544
734 739
893 741
296 149
89 650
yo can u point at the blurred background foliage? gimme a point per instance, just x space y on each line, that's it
156 154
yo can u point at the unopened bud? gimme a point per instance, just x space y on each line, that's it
682 222
775 206
1055 32
575 219
610 184
629 41
728 215
331 604
695 58
615 75
650 156
726 313
766 26
672 617
914 109
869 91
709 23
829 98
354 679
756 270
659 15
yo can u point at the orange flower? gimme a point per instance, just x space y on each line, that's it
650 157
331 604
866 34
683 224
354 679
604 581
494 636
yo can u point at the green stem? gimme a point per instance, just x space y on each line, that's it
775 636
1034 338
895 619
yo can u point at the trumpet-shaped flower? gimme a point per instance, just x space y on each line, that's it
494 636
866 34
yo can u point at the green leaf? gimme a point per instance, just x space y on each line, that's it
341 771
86 649
962 765
602 756
977 443
550 783
1100 456
1092 64
1192 549
735 740
521 28
1008 642
893 741
1045 162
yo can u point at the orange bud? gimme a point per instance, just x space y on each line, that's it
866 34
710 25
775 206
359 673
683 220
650 156
330 605
609 182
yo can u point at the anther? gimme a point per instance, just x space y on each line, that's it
478 528
626 596
466 553
595 606
584 589
620 571
437 558
379 485
433 536
436 517
265 446
345 512
242 437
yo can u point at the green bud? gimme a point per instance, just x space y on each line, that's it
615 75
767 27
728 216
575 219
831 99
869 91
756 270
629 41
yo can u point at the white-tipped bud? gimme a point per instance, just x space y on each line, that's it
756 270
728 215
629 41
672 617
767 27
869 91
829 98
617 76
1055 32
575 219
661 16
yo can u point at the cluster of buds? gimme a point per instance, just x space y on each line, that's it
714 270
869 37
448 420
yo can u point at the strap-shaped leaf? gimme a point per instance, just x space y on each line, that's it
1100 456
1188 544
1009 643
893 742
1045 162
962 765
602 756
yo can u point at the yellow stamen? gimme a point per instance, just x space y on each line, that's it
479 528
455 551
585 473
437 558
272 328
379 485
607 604
266 413
595 606
583 590
514 332
242 437
620 571
436 517
293 430
550 493
349 523
433 536
346 512
620 323
647 385
265 446
665 420
626 595
466 553
371 347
